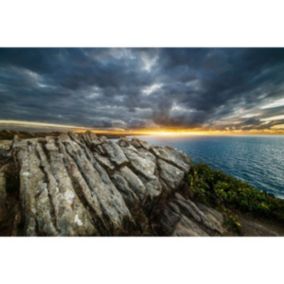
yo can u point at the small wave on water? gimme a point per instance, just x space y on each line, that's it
258 160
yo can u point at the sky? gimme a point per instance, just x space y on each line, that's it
195 88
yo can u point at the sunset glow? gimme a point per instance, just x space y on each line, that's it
161 132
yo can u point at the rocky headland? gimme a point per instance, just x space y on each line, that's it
84 185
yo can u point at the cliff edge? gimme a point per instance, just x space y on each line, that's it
84 185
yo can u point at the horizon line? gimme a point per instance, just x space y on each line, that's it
159 131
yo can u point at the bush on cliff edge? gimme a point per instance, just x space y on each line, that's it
217 189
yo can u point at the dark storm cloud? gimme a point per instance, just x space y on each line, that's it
220 88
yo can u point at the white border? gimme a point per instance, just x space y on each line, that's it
136 23
141 260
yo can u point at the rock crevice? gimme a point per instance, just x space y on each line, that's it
84 185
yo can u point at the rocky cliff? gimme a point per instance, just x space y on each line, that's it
84 185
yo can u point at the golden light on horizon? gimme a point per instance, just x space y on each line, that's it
160 132
181 132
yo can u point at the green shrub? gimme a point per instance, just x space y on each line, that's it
214 187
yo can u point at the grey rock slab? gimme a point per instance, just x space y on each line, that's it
69 210
134 184
190 209
32 186
218 216
114 152
81 184
140 144
168 221
114 209
142 162
127 192
104 161
173 156
170 174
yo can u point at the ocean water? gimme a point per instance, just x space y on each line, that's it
258 160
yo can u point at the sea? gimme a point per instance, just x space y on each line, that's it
258 160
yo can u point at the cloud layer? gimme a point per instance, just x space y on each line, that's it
210 88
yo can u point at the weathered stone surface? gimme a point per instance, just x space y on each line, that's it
144 164
130 185
114 152
104 161
140 144
50 201
182 217
204 216
172 156
171 175
82 185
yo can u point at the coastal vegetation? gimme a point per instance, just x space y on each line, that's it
232 196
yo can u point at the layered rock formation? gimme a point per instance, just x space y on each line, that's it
77 185
84 185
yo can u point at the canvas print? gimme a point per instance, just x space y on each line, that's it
141 142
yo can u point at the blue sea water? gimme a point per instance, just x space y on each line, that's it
258 160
